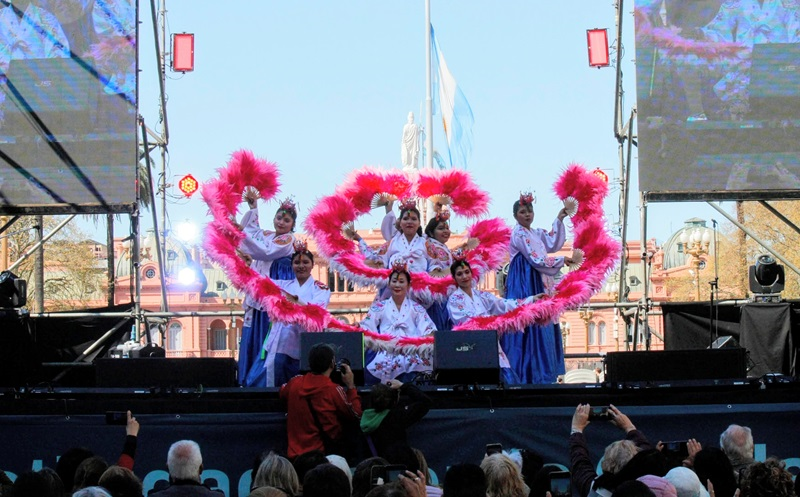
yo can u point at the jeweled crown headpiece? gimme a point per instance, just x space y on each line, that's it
442 216
409 203
400 266
288 205
300 246
527 198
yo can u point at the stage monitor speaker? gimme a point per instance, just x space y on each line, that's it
148 372
466 357
675 365
346 345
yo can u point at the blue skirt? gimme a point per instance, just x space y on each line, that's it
536 354
252 373
440 316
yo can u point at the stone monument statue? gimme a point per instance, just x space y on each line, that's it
409 148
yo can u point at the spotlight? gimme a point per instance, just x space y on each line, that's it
187 276
766 276
13 290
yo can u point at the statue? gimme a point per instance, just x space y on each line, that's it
409 148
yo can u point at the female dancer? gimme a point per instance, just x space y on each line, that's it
440 258
536 354
283 343
468 302
399 316
271 254
405 238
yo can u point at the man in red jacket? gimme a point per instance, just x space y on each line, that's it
318 408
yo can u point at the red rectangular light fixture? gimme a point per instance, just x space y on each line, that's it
597 41
183 52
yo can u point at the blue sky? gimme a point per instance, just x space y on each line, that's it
322 88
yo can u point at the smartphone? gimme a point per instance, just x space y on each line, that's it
599 413
560 484
680 447
116 417
393 471
494 449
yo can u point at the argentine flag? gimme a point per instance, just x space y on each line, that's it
449 102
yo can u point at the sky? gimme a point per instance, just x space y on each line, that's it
323 88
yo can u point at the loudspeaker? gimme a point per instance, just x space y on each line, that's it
149 350
670 365
158 372
346 345
466 357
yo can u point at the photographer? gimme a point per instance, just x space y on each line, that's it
318 408
616 456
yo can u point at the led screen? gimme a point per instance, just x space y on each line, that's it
718 98
67 106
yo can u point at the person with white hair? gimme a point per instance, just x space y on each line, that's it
185 465
92 492
737 443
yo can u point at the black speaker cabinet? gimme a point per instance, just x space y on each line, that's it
189 372
466 357
673 365
346 345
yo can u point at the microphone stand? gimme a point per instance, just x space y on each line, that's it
713 308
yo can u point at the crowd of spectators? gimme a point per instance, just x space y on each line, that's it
631 466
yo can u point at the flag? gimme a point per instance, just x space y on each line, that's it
450 103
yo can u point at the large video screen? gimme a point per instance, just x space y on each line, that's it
68 138
718 98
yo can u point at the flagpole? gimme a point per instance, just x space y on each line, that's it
428 92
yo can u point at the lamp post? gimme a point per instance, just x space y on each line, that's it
564 334
586 315
232 300
696 245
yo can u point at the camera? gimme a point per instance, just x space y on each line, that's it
336 374
599 413
494 449
116 417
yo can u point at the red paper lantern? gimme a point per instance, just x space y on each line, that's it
600 174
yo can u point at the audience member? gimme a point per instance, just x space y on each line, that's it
341 463
767 479
276 471
35 484
539 483
53 480
431 490
93 492
306 462
185 464
644 462
326 480
464 480
503 477
69 462
268 492
633 488
686 482
395 407
89 472
318 408
661 487
737 443
121 482
403 454
362 476
711 464
5 483
389 490
617 454
532 462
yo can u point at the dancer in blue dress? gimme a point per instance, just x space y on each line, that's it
536 354
271 253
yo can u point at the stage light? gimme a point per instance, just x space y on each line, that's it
597 41
183 52
13 290
766 276
187 276
186 231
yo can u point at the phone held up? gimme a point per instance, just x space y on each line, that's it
560 484
679 447
494 449
116 417
380 475
599 413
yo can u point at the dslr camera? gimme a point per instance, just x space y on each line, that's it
336 374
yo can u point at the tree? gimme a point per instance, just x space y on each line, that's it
73 276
